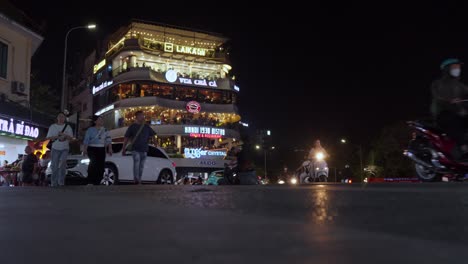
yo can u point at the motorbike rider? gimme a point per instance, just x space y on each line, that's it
446 108
317 148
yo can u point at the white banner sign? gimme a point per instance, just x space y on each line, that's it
102 86
18 128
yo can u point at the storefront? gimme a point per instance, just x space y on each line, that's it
15 135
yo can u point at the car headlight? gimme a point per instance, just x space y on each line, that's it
85 161
294 181
280 182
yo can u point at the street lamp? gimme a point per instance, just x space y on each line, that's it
344 141
63 99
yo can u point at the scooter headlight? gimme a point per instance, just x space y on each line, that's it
319 156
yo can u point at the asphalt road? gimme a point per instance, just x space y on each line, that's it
336 223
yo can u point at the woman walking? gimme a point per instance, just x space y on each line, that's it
95 144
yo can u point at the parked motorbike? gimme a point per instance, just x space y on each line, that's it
432 152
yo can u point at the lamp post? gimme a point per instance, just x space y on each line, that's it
63 99
344 141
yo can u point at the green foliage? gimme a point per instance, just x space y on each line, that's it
43 98
388 151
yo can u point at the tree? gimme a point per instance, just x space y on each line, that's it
388 150
43 98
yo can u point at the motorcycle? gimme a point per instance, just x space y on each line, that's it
313 171
432 152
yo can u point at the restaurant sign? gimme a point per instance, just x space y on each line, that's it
170 47
196 153
205 132
171 76
18 128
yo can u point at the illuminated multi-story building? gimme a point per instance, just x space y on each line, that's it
181 79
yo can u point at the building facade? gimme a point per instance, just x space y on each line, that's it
18 123
181 79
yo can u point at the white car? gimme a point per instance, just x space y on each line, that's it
158 167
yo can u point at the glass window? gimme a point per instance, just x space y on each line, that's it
127 90
158 90
234 98
210 96
3 60
185 94
116 148
164 91
154 152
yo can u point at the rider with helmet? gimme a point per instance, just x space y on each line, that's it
447 92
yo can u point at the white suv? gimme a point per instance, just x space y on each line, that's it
158 167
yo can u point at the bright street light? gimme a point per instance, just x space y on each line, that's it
64 90
343 140
273 147
257 147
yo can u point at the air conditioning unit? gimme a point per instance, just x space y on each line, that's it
18 88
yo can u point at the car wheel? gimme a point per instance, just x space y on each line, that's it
110 176
165 177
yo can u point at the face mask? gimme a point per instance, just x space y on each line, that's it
455 72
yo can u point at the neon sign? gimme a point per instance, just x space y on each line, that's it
196 153
99 66
169 47
191 50
205 130
102 86
18 128
198 135
171 76
193 107
199 82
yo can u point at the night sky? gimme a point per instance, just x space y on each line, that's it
327 71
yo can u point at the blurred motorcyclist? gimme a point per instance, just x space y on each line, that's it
316 149
447 92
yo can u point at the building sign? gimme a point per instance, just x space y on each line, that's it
199 82
171 76
105 109
205 132
17 128
99 66
191 50
196 153
169 47
102 86
193 107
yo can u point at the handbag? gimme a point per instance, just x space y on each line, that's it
49 145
